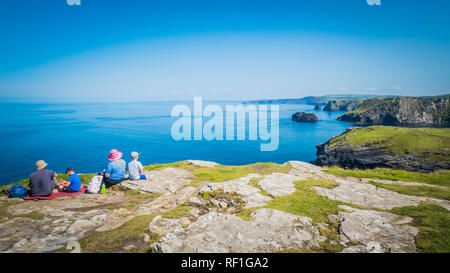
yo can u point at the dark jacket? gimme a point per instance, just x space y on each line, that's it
42 182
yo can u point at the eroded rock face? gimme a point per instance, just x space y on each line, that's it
402 110
270 231
376 231
166 180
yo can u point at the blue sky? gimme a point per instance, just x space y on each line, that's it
117 50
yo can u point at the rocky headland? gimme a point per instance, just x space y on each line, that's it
401 110
414 149
304 117
199 206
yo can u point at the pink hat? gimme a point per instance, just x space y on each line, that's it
114 155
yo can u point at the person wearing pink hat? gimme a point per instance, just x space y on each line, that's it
115 173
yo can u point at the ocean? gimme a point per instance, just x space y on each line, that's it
81 136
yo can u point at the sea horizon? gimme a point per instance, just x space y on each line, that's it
80 135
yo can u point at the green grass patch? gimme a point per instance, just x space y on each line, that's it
176 165
400 140
220 173
244 214
433 223
131 232
438 178
178 212
24 182
305 201
434 192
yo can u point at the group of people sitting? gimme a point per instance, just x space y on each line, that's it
43 181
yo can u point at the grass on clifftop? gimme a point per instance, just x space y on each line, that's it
221 173
367 104
427 191
433 223
305 201
438 178
400 140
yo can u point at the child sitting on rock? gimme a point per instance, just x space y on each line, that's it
135 168
72 184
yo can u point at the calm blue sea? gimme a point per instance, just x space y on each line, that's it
81 135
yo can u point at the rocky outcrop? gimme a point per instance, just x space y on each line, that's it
235 215
318 107
402 110
269 231
304 117
341 105
348 150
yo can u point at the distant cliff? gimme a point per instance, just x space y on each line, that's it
401 110
413 149
314 100
342 105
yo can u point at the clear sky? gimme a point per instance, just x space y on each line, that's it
129 50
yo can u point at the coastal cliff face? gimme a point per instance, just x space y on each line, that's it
402 110
414 149
343 105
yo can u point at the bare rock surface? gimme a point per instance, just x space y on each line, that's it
368 195
252 196
376 231
270 231
278 184
202 163
166 180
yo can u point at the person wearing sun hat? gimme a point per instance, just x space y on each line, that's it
116 170
42 181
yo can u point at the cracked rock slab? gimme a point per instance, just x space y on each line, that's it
376 231
366 195
278 184
166 180
252 197
271 230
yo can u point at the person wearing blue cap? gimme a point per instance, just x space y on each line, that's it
72 184
135 168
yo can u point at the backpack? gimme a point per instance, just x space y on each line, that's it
17 191
95 185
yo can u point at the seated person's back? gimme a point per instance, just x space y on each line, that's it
42 180
75 182
135 168
116 169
